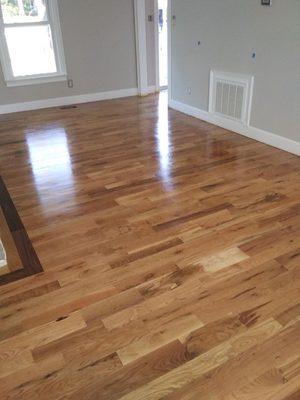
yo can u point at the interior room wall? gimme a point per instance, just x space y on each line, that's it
230 32
99 44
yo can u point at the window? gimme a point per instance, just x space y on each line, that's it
31 46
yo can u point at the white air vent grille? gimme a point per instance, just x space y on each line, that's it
231 96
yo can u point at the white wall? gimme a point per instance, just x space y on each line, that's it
230 31
99 43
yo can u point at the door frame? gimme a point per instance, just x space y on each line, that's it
141 46
169 27
170 33
156 33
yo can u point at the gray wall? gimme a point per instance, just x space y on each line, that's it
99 43
230 31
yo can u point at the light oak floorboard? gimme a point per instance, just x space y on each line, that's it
171 252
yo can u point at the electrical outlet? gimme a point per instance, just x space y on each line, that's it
266 2
189 90
70 83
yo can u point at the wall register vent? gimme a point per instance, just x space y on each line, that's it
231 96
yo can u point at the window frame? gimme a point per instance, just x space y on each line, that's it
54 22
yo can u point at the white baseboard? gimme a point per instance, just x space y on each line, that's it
64 101
149 90
260 135
152 89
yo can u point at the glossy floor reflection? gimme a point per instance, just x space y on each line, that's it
163 137
171 252
51 163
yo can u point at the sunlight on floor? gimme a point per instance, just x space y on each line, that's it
50 160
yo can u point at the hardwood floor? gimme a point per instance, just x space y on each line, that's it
171 252
21 259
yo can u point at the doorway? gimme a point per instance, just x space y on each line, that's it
162 39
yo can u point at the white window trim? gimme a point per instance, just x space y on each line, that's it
60 75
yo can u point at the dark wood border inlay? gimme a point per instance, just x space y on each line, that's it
30 261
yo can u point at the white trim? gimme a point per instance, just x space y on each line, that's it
170 30
141 46
260 135
4 54
152 89
36 81
57 37
169 27
156 33
24 24
63 101
54 22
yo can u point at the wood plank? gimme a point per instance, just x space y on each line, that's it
224 259
154 340
170 268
